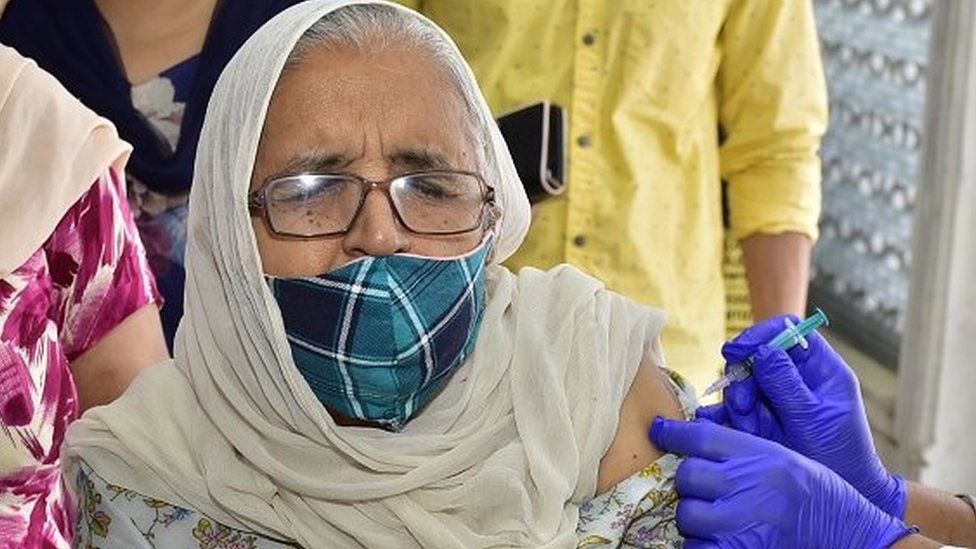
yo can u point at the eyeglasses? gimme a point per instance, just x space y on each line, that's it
319 205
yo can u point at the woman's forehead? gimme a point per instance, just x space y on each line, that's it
404 75
341 103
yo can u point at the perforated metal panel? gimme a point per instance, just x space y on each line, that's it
875 57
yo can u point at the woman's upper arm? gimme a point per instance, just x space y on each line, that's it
104 371
107 311
652 394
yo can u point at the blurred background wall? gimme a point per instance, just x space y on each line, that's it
897 254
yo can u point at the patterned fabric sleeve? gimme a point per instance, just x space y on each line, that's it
99 516
99 285
638 512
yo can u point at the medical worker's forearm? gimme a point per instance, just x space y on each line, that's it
778 271
941 516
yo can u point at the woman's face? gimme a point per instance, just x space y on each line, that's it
376 115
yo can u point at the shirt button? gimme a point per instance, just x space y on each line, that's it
589 39
583 140
579 240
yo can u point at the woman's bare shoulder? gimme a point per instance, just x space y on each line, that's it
652 394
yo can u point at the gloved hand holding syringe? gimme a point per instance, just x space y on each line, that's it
791 336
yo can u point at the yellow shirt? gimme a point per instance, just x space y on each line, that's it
649 85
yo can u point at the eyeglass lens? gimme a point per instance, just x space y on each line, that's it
433 203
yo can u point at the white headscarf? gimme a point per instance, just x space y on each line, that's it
52 149
502 457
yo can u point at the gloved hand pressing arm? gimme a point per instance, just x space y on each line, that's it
808 400
738 490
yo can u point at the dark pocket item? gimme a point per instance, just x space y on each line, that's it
536 138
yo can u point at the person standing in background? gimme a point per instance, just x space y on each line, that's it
649 87
149 66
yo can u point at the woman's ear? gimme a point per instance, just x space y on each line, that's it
493 218
492 222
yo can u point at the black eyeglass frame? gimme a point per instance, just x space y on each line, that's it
257 201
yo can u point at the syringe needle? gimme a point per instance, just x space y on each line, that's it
722 383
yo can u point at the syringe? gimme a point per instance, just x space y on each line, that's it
793 335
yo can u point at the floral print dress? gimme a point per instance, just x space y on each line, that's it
87 278
638 512
113 517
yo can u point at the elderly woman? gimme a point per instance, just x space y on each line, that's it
354 367
78 305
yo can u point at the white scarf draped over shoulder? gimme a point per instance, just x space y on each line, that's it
503 457
52 149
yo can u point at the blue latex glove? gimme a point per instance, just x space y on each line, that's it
809 401
741 491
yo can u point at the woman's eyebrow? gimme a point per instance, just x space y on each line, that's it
419 159
325 162
313 162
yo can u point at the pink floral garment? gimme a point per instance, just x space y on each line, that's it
88 277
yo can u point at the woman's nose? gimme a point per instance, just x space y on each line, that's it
376 230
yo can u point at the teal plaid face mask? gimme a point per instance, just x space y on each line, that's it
377 339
